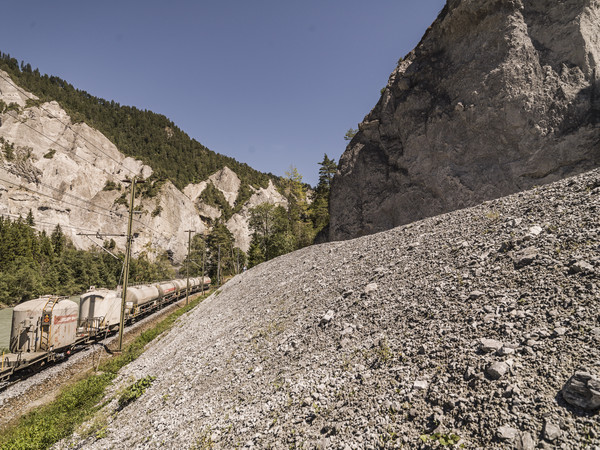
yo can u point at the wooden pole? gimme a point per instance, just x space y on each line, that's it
203 259
187 267
126 270
219 267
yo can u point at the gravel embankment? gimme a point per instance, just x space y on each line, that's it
468 323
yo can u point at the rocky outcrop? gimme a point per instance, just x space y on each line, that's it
227 181
498 96
69 174
239 223
431 334
60 171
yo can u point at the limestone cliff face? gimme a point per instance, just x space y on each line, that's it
499 95
59 171
227 181
239 223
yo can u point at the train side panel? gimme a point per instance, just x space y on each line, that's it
167 289
31 328
99 309
140 295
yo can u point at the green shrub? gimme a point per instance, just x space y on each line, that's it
111 186
157 211
77 403
135 390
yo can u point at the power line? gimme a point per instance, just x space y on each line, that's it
112 214
63 193
53 141
111 175
30 96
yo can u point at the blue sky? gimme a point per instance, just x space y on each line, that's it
272 83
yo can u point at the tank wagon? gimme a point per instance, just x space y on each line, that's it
44 324
50 327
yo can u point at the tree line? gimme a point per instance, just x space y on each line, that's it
173 155
277 230
33 263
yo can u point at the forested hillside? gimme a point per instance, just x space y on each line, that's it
32 266
144 135
33 263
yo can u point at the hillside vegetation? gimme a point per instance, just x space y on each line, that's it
33 263
141 134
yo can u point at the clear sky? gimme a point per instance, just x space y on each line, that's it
272 83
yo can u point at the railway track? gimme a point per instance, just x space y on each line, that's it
21 396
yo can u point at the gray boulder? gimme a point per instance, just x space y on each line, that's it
583 390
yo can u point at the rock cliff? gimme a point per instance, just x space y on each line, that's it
60 170
239 223
70 174
498 96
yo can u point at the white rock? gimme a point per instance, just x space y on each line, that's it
371 288
420 384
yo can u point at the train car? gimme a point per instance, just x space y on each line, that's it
141 297
50 327
181 285
99 310
167 290
44 324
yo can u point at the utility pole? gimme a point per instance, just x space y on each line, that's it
187 266
203 260
126 270
219 267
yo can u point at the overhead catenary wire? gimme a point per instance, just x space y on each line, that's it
69 195
21 186
108 173
54 224
55 141
112 214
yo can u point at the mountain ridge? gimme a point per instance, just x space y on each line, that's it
70 174
143 134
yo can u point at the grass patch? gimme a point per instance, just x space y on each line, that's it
77 403
135 391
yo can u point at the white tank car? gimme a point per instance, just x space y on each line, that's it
140 295
181 284
167 289
43 324
99 309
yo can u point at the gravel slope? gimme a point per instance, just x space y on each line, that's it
468 323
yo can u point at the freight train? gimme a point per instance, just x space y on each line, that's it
49 328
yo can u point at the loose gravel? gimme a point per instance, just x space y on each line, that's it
461 329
